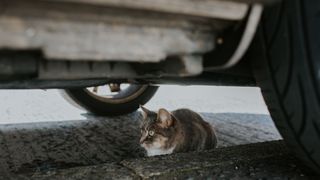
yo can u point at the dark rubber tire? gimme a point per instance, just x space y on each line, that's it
101 108
286 62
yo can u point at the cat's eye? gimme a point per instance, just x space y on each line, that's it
151 133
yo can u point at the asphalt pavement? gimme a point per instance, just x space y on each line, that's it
42 136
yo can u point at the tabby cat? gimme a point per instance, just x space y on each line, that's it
181 130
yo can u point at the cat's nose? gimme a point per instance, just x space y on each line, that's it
142 139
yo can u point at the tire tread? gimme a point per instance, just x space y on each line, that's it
298 85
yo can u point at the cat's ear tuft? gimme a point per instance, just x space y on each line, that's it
145 112
165 119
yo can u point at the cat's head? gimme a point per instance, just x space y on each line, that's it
157 129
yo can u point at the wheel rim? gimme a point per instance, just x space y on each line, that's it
125 93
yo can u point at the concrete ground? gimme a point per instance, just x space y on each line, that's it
268 160
43 136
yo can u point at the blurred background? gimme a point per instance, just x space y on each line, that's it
20 106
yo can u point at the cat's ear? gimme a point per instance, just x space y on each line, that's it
164 118
145 112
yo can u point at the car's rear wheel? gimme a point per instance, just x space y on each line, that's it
111 99
289 73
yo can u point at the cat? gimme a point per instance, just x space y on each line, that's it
181 130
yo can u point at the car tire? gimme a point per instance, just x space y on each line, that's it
129 102
286 62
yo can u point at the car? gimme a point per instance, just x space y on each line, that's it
110 56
